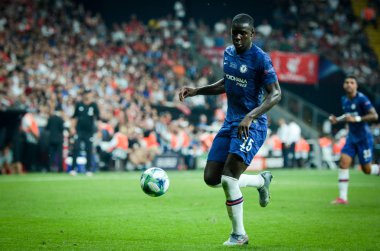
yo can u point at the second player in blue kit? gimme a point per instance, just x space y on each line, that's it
252 88
358 111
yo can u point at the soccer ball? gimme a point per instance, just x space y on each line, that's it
154 182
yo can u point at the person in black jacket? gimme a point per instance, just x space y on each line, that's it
85 115
55 127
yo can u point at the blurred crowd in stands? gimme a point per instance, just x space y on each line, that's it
328 28
53 51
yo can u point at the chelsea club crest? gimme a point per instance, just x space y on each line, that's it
243 68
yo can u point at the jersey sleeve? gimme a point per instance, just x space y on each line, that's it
96 111
269 73
366 104
76 111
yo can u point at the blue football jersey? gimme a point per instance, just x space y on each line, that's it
358 106
245 77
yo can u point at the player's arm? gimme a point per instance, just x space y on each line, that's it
272 98
334 120
213 89
74 120
371 116
73 126
96 112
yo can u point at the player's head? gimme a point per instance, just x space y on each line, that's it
242 31
87 94
350 85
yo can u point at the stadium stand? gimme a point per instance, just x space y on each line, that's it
329 28
52 51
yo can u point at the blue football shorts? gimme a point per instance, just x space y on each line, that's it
363 149
227 141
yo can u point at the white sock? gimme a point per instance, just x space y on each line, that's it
234 203
343 178
375 170
246 180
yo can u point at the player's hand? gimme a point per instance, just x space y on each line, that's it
73 131
186 92
332 119
243 128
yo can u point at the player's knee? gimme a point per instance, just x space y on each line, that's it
211 181
344 165
345 161
366 169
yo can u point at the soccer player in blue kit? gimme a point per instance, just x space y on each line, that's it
248 72
358 110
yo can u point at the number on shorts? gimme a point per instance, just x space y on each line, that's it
367 153
247 145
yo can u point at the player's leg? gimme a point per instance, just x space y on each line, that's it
213 173
52 156
365 151
348 153
371 169
60 157
233 168
3 167
247 150
343 179
241 155
88 148
76 149
217 158
251 180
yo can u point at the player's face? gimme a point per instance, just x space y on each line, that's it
87 97
350 86
242 35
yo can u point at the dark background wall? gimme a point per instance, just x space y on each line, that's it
327 93
209 11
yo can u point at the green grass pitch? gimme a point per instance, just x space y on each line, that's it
109 211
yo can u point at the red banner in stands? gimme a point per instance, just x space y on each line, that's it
300 68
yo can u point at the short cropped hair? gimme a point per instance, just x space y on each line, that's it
352 76
244 18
